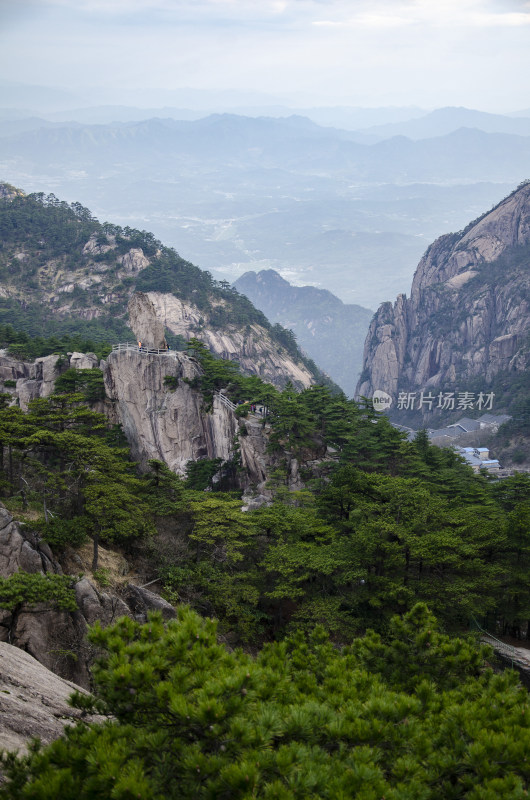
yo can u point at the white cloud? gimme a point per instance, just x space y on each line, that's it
366 21
425 52
446 13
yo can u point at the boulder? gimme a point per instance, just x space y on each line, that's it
141 601
83 360
33 701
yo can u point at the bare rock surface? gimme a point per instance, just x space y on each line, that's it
83 360
133 261
141 601
171 425
147 326
37 379
468 315
55 638
251 347
21 549
33 701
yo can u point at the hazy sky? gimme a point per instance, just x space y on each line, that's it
383 52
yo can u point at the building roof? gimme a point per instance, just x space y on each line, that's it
467 424
475 460
438 433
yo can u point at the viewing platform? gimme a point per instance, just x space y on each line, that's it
150 351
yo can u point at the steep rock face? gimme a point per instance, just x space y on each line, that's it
159 422
172 425
147 327
33 701
252 347
469 311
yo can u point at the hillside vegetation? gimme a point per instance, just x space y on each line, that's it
321 645
63 273
391 524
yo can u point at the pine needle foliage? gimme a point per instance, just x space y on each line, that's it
186 718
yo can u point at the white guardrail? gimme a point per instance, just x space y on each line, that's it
151 351
225 400
258 409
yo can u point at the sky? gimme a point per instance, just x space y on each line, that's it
428 53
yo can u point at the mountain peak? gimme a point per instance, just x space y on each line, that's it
468 317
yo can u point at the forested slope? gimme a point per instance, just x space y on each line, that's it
323 690
63 273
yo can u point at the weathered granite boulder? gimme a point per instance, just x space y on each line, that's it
147 326
57 639
37 379
33 701
83 360
95 605
21 549
140 601
133 261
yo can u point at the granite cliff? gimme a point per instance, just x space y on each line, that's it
252 346
468 316
166 422
171 424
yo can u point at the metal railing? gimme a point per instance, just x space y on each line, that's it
260 410
151 351
506 650
225 400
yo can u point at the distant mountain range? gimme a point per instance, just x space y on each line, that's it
236 193
443 121
293 143
330 332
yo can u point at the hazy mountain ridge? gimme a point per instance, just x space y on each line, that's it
442 121
284 142
234 193
331 332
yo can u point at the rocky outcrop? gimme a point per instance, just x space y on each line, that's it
147 326
33 701
141 601
37 379
159 421
133 261
55 638
468 315
22 550
48 635
252 347
171 424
